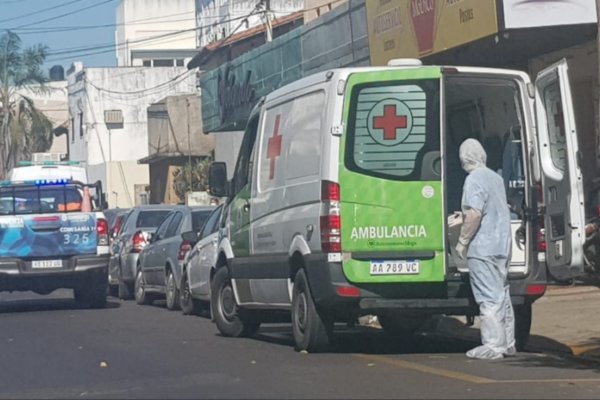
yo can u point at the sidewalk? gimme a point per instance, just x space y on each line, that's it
566 320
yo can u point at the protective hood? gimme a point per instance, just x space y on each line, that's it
472 155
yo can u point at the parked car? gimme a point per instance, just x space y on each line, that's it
160 264
139 223
199 265
117 223
112 213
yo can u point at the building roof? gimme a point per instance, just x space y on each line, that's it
203 55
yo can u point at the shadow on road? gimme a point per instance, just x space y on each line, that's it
367 340
554 361
49 304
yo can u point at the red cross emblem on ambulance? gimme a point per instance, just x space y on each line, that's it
274 147
389 122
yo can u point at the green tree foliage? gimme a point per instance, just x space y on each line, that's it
23 128
197 172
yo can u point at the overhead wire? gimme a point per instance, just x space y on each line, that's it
27 15
174 79
63 15
110 47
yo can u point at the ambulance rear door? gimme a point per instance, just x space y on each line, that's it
564 217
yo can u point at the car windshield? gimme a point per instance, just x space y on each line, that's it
150 218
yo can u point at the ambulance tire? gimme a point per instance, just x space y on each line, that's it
523 317
230 319
312 329
399 325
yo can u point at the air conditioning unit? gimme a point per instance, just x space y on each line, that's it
56 157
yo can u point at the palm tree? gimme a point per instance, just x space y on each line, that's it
23 128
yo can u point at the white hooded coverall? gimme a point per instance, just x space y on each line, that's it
486 236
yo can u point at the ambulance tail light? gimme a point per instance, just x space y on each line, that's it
541 237
330 221
541 233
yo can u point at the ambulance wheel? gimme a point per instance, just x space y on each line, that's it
230 320
400 325
523 316
312 330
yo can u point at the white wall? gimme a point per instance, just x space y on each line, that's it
138 20
218 18
131 90
316 8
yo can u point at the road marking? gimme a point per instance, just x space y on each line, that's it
549 380
461 376
429 370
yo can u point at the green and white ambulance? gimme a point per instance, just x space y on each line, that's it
339 202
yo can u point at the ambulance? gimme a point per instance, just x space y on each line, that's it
346 180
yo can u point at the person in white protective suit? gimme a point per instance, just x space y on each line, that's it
485 241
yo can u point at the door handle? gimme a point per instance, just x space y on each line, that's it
246 206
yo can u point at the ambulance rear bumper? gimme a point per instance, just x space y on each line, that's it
452 297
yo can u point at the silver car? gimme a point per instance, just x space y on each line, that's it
140 222
199 267
160 263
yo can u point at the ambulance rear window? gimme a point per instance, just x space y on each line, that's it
393 130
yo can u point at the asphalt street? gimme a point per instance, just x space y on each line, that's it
50 347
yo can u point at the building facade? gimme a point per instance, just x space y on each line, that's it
108 123
218 19
155 33
174 140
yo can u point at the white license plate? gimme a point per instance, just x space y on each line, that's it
46 264
398 267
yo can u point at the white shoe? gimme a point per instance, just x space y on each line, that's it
484 353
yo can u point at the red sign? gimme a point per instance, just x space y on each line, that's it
274 147
423 19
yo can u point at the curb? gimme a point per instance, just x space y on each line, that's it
448 327
570 290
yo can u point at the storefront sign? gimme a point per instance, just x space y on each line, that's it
418 28
529 14
234 95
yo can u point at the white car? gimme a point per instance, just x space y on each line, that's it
199 267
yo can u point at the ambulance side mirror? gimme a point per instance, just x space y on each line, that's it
217 179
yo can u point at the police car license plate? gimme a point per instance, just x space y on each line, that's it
397 267
46 264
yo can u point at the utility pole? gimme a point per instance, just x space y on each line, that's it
187 100
268 25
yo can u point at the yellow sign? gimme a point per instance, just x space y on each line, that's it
418 28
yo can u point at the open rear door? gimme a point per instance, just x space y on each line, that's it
564 216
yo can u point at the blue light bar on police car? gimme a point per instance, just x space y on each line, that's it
47 163
37 182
